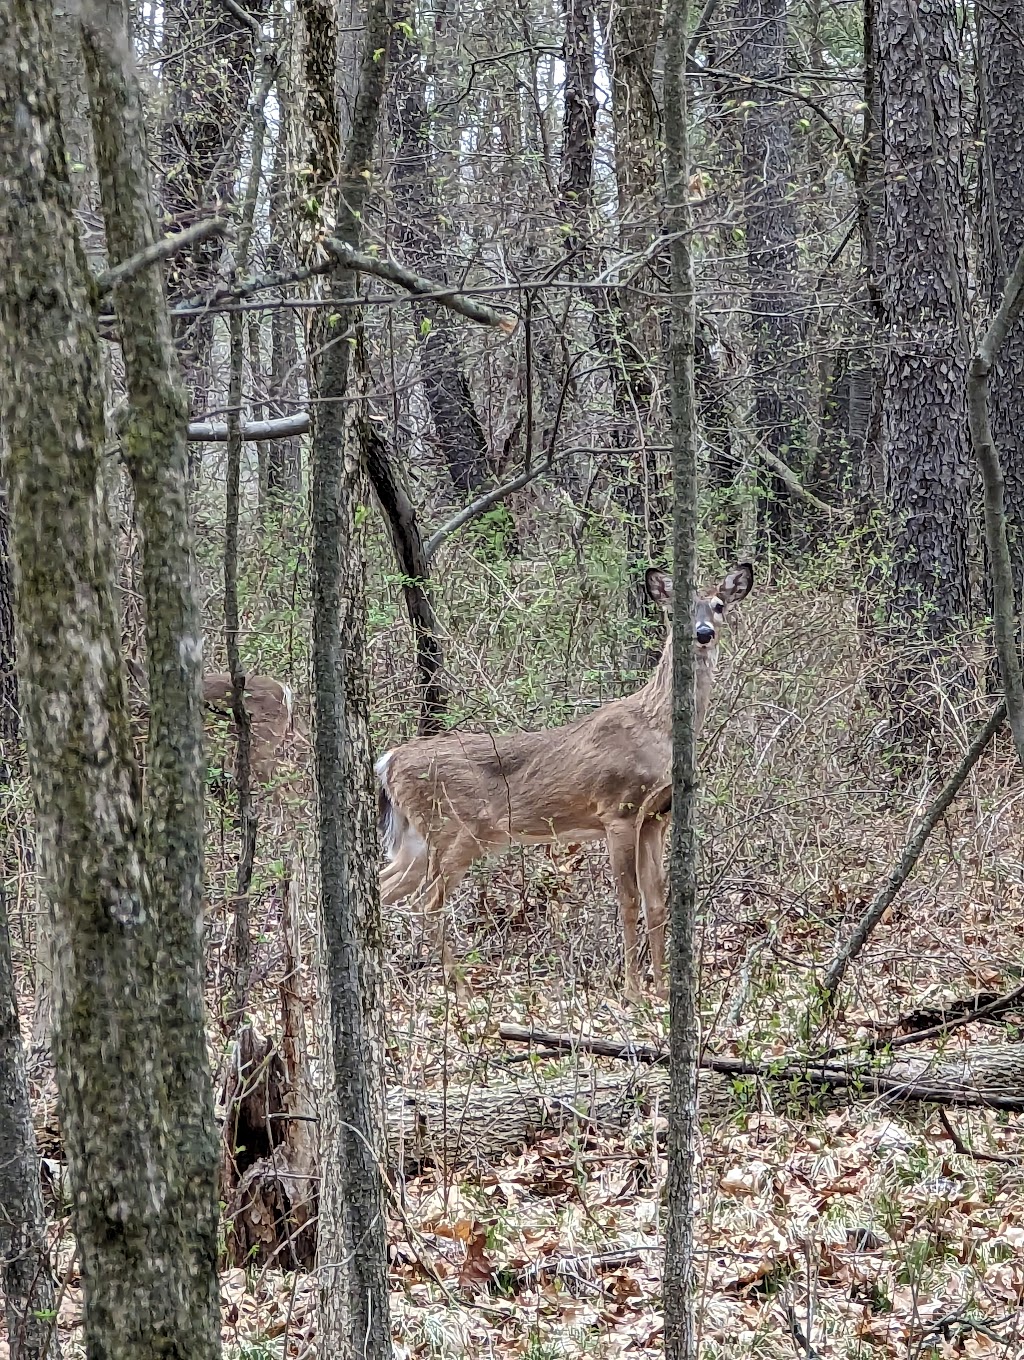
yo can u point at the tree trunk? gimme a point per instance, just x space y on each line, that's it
928 468
628 327
25 1270
1002 191
457 428
684 1039
284 456
9 722
412 562
354 1317
123 891
208 74
770 218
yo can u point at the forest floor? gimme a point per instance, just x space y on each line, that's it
834 1232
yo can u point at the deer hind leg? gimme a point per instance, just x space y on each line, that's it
408 859
445 870
650 864
622 854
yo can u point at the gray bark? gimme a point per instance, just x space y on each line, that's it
122 885
25 1271
354 1317
684 1039
927 463
457 428
770 218
1002 190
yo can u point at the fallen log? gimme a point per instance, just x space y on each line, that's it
981 1076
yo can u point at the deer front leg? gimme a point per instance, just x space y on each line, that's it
622 854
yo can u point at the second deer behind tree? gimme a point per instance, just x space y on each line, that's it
446 801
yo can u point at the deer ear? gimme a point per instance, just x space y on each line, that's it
659 585
738 582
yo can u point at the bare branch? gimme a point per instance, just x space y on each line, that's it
164 249
253 431
244 17
415 283
480 506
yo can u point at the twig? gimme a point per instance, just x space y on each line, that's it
990 1008
961 1147
164 249
577 1267
908 860
394 272
244 17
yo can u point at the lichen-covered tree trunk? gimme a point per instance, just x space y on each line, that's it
1002 189
25 1272
927 464
770 219
122 884
354 1313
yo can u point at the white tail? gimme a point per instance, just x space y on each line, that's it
446 801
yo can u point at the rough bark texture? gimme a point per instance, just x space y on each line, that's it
627 328
284 456
928 470
124 894
457 428
125 1118
25 1271
208 72
684 1039
9 723
352 1231
770 219
153 440
1002 189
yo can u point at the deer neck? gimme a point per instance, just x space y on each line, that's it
656 695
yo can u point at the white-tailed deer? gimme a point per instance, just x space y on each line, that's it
446 801
269 705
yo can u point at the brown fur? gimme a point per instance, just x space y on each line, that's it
448 800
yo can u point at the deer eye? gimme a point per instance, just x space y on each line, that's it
719 607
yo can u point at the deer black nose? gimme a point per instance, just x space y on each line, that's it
705 633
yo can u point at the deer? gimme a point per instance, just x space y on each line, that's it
270 707
446 801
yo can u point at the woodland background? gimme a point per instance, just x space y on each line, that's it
857 194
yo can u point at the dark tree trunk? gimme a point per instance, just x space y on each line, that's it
628 329
457 428
770 217
25 1270
927 463
122 883
9 722
352 1241
412 563
284 456
1002 192
208 73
